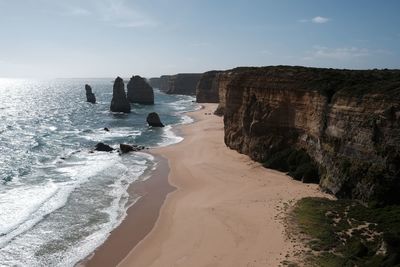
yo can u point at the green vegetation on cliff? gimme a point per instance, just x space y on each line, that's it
345 233
297 163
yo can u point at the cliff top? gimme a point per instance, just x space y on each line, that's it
330 81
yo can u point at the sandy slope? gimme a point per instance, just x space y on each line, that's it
224 212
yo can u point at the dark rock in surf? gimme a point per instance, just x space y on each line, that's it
106 129
139 91
90 97
154 120
124 148
103 147
119 102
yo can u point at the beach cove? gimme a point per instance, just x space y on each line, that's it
226 210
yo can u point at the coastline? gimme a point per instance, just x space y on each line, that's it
227 210
140 218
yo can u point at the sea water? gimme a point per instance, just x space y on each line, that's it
58 201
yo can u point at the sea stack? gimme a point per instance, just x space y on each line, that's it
90 97
154 120
139 91
119 102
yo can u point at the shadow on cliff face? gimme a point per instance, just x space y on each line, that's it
346 122
297 163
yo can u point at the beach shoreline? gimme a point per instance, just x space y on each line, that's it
226 210
141 217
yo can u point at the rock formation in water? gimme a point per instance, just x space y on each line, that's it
154 120
139 91
103 147
124 148
207 90
119 102
344 123
90 97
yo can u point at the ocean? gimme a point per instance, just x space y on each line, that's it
58 201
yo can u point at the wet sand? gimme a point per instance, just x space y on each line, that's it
139 221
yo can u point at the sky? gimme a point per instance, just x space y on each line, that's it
106 38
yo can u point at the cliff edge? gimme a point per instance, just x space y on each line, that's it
346 123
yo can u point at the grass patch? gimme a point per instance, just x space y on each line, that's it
345 233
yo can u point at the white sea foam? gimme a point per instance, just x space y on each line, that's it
55 196
19 204
62 201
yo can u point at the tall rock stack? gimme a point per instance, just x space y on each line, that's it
119 102
90 97
139 91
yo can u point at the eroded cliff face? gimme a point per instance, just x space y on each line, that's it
179 84
155 82
348 122
183 83
207 90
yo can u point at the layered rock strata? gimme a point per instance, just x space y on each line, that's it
183 83
179 84
207 90
348 122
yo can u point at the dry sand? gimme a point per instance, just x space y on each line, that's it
226 210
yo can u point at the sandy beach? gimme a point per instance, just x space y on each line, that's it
226 210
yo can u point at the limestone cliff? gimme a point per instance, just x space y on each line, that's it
183 83
164 83
154 82
348 122
212 87
207 90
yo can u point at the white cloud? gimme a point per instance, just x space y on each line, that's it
118 13
320 20
341 53
317 20
78 11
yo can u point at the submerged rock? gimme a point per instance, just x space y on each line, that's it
103 147
90 97
139 91
154 120
119 102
